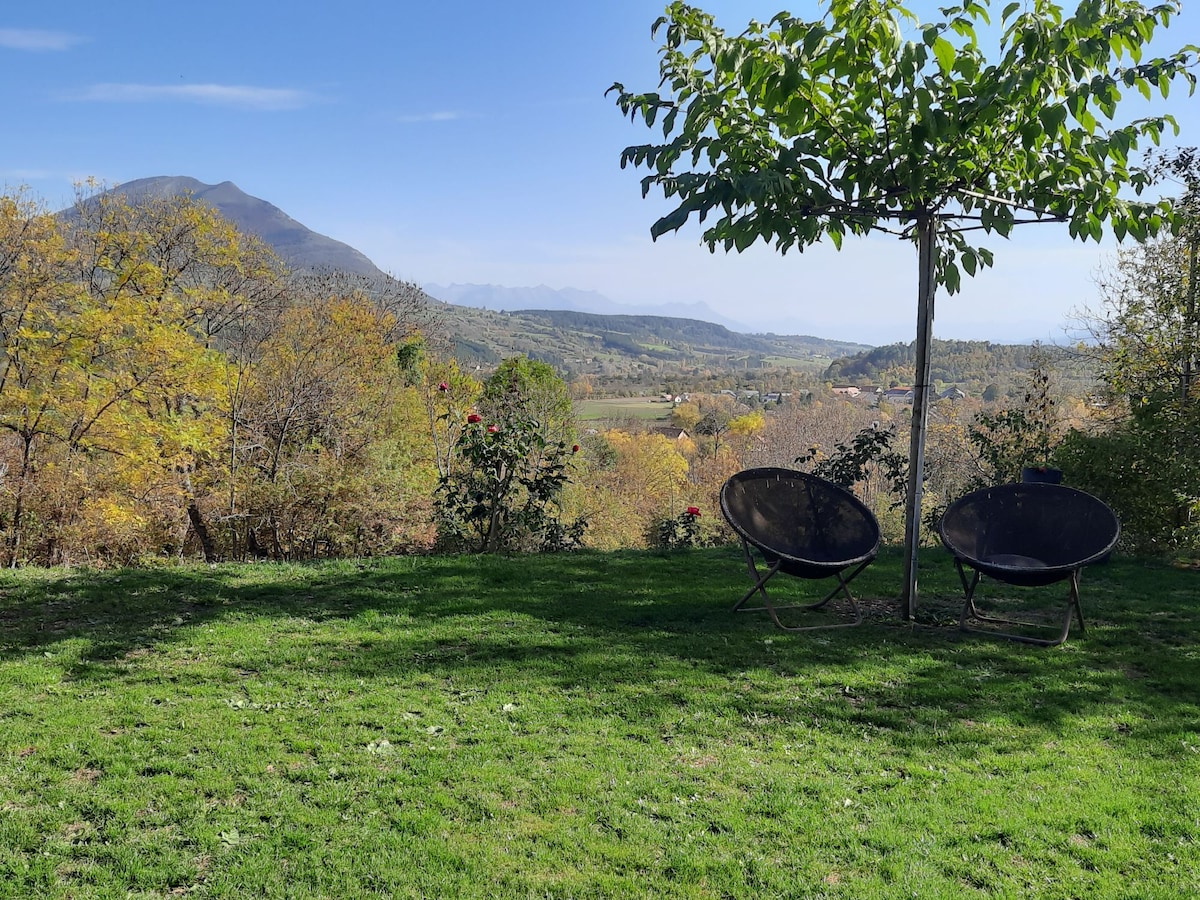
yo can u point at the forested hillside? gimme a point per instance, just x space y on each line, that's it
972 365
672 335
591 344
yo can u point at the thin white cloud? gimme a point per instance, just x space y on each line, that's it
232 95
36 39
444 116
25 174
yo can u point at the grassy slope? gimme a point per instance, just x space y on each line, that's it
584 726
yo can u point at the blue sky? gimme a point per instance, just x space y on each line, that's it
469 142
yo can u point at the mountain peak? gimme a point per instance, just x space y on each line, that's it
298 246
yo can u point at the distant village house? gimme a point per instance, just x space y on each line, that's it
670 432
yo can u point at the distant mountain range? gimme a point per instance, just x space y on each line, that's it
474 304
302 248
509 299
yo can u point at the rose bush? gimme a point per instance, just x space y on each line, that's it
504 490
680 532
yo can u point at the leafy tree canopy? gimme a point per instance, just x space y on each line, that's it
528 388
867 120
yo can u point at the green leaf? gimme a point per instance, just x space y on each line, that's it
669 121
969 262
943 50
1052 117
951 278
1031 131
673 221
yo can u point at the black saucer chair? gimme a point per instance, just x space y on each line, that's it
1026 535
803 526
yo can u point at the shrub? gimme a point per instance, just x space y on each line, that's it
504 489
681 532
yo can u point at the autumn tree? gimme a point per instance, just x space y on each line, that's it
113 396
716 411
33 303
164 379
447 393
643 478
230 289
744 430
322 394
686 416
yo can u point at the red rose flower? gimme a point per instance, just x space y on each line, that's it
473 418
574 448
693 511
492 429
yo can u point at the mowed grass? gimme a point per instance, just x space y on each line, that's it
624 408
592 725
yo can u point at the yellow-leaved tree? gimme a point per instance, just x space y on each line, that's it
325 401
182 285
37 353
632 481
112 395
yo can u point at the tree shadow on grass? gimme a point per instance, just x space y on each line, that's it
655 623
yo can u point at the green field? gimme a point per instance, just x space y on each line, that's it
586 726
624 408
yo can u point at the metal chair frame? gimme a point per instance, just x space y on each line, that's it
970 612
999 548
773 611
777 560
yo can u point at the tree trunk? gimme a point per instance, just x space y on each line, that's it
18 516
253 547
926 250
196 519
1190 325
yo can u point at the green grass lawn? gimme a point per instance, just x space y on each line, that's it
624 408
593 725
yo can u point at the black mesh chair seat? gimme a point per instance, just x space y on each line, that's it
1027 535
802 526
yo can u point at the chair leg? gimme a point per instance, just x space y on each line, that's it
772 610
971 612
758 588
758 580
